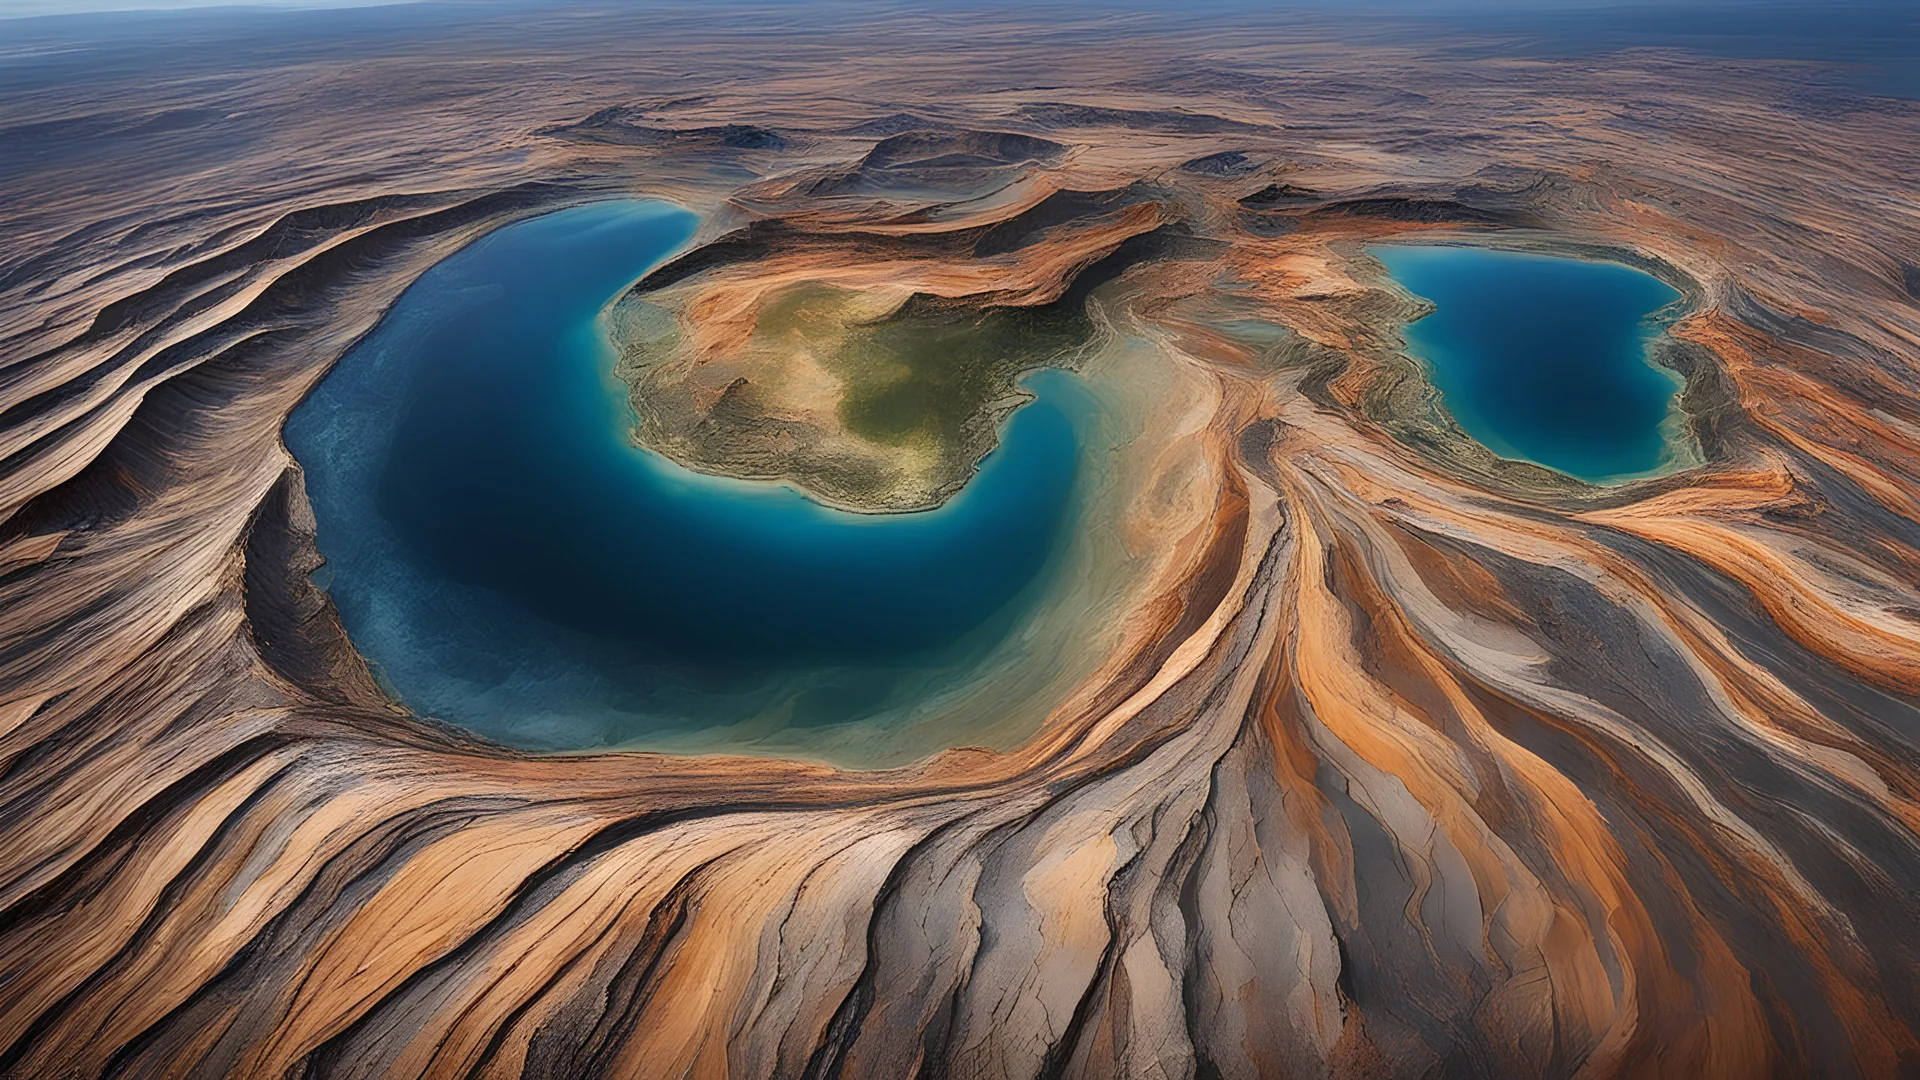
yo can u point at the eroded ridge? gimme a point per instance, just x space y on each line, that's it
1410 760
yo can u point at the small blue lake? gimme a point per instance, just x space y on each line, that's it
1542 358
510 561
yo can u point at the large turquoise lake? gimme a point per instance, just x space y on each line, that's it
1542 358
510 561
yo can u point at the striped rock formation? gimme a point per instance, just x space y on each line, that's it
1410 761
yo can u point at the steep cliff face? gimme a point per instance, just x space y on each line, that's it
1410 761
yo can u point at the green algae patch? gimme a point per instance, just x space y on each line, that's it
933 376
869 402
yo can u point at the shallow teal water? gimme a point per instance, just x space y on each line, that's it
1542 358
511 562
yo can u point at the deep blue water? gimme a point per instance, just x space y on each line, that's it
1543 358
510 561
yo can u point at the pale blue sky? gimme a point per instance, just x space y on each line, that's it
17 8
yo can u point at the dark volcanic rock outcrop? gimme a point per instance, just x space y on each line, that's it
928 150
954 162
1062 115
624 126
1225 163
1280 195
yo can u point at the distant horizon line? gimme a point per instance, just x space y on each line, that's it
39 9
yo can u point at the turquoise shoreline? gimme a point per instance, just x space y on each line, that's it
511 562
1545 359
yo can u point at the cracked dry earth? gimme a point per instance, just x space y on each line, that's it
1411 761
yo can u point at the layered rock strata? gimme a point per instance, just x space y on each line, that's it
1412 761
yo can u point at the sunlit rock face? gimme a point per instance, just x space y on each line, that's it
1372 749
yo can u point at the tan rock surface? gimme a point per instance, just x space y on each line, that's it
1411 762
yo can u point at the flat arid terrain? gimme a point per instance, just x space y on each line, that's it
1363 749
